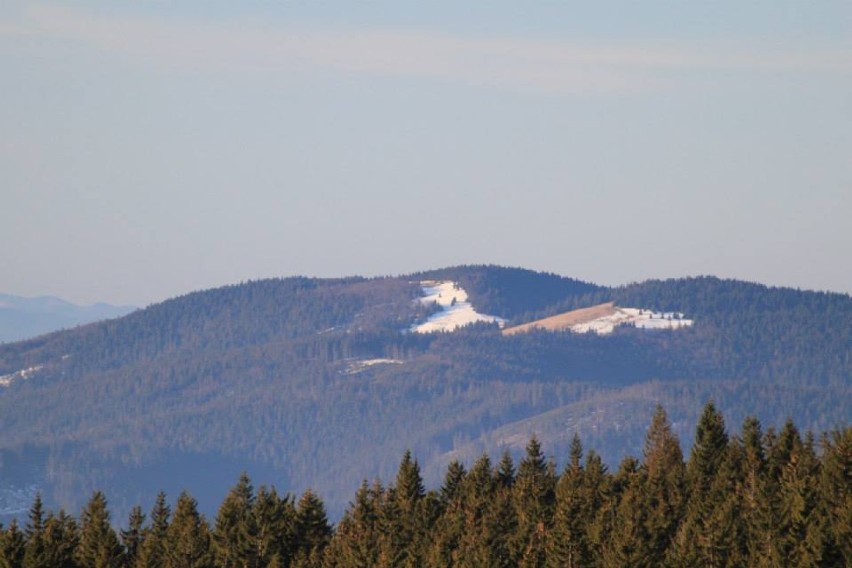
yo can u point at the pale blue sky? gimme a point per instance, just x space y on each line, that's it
151 149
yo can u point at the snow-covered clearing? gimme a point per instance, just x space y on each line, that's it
23 374
455 312
643 319
603 319
355 367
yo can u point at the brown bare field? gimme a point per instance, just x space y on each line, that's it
565 321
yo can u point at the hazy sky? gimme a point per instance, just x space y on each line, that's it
148 149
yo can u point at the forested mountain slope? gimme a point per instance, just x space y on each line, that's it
319 383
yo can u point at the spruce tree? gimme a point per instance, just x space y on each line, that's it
478 540
450 525
132 537
188 536
757 502
506 471
152 553
708 451
452 486
409 484
695 543
312 531
781 449
274 522
12 546
596 490
61 540
407 515
356 542
665 485
502 517
799 540
627 543
534 493
568 543
836 494
234 532
724 534
391 541
99 546
34 555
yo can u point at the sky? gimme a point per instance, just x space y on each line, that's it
149 149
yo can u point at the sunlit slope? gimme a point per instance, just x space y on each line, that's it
565 321
603 319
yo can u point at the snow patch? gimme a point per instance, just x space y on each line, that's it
455 312
23 374
355 367
643 319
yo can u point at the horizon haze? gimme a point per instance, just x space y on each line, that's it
150 150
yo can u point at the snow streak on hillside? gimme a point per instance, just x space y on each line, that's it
455 312
361 365
23 374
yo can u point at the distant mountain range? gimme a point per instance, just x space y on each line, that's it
306 382
22 318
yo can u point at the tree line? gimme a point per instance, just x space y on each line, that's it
773 498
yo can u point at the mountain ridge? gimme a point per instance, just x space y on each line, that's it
22 318
256 374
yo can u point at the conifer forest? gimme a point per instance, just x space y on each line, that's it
481 284
754 498
320 383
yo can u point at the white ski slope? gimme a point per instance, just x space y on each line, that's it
455 312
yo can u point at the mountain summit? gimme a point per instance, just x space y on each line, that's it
319 383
